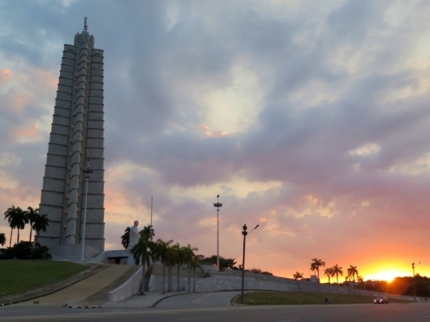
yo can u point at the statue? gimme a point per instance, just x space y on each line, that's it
134 235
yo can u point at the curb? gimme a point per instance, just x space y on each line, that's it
83 307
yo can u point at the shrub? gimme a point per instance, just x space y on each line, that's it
26 250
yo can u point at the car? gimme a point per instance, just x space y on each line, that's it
380 300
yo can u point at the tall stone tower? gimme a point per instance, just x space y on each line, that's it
76 142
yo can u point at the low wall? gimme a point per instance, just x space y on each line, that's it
129 288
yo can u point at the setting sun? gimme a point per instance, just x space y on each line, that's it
387 275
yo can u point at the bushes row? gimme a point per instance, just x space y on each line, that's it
26 250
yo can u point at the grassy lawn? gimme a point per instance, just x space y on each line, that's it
286 298
17 276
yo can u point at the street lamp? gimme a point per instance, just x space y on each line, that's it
413 278
87 171
244 233
217 205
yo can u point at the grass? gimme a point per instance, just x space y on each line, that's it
18 276
294 298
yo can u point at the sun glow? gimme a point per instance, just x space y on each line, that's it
387 275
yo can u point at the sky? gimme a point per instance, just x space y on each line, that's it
308 118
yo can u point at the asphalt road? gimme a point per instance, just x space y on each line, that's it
198 300
210 307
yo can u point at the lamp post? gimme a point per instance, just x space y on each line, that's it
244 233
217 205
87 171
413 278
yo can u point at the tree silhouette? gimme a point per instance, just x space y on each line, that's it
147 232
188 255
125 239
142 253
9 216
162 254
328 272
2 239
178 259
298 276
195 264
41 223
352 273
31 216
360 280
336 272
315 266
16 218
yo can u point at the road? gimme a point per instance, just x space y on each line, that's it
213 307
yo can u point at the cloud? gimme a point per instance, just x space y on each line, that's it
308 119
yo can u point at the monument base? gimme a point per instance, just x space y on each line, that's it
72 252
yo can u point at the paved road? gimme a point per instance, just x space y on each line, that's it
301 313
198 300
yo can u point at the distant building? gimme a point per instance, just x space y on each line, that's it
77 134
314 278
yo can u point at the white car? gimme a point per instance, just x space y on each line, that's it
380 300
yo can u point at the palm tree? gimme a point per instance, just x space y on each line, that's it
360 280
142 253
170 261
32 216
352 273
9 215
17 219
2 239
41 223
195 263
179 260
188 255
298 276
328 272
336 272
125 239
20 220
147 232
162 253
315 266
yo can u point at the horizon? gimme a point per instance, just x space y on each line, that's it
308 119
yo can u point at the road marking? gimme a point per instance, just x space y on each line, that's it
288 320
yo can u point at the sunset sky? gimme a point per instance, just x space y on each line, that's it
309 118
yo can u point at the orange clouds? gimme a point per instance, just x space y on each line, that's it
26 134
5 76
216 133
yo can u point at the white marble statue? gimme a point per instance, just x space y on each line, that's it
134 235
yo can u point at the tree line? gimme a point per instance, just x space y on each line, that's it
398 286
170 255
334 271
18 218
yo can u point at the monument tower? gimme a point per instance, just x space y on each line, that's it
76 142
